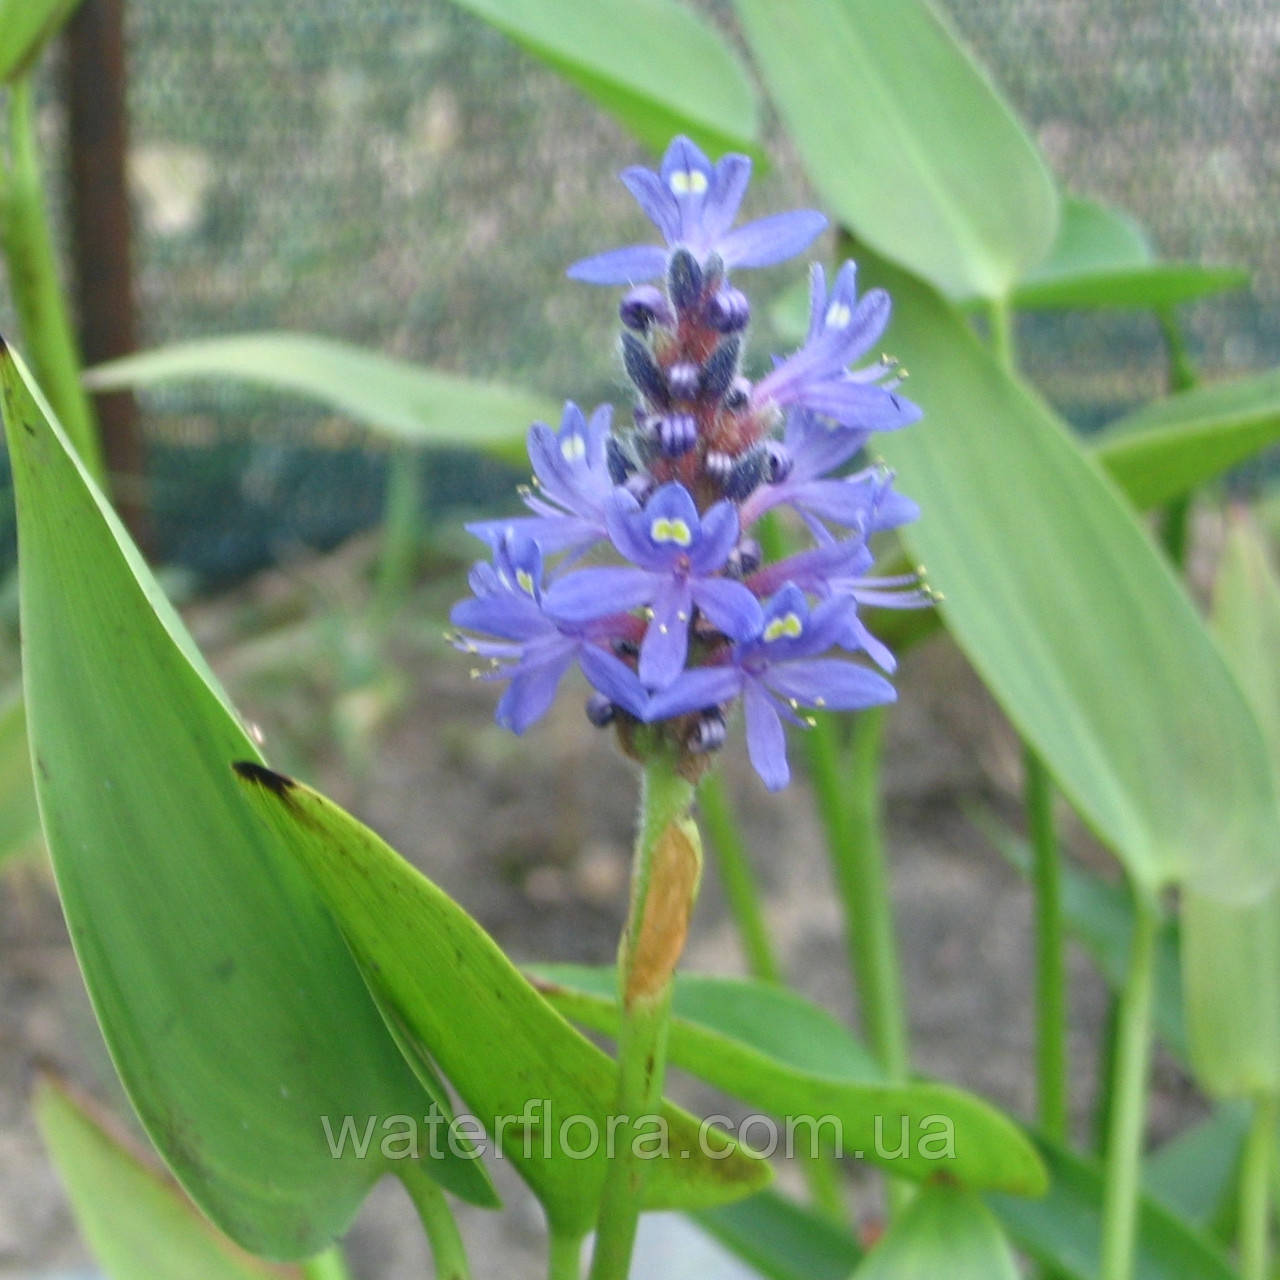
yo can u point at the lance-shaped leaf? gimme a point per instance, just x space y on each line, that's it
136 1221
19 819
539 1087
230 1004
1072 618
1169 447
776 1051
906 139
1063 1230
944 1231
26 26
423 406
1231 953
655 65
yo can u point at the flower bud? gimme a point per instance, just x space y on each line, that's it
677 434
644 306
643 371
721 368
683 379
744 559
777 462
600 711
729 311
619 462
708 733
684 280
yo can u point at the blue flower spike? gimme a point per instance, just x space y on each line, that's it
638 566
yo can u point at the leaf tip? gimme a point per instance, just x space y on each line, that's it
277 783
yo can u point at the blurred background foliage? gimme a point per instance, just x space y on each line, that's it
399 175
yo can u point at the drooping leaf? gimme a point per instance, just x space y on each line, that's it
1063 1229
229 1001
1072 618
540 1088
1194 1174
658 67
906 139
1172 446
774 1050
408 401
945 1231
26 26
781 1239
1232 952
137 1222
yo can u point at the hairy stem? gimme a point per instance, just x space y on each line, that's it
1129 1095
664 884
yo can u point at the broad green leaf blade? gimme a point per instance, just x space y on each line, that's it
1062 1231
26 26
138 1224
774 1050
1092 237
1170 447
227 997
781 1239
1071 617
658 67
945 1231
521 1068
1099 915
1159 284
423 406
19 818
1232 953
1194 1174
905 138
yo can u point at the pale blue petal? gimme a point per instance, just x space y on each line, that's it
729 605
587 594
632 265
614 679
695 690
830 682
666 641
655 198
766 739
769 240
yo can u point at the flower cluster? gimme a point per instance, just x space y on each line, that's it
693 618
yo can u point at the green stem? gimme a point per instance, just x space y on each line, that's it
664 876
1175 523
740 889
1000 320
1051 997
329 1265
565 1258
37 293
447 1249
1255 1190
1129 1095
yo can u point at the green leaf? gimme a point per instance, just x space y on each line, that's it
19 818
906 139
945 1231
1071 617
659 68
423 406
1161 284
1062 1231
138 1224
1099 916
449 987
1194 1174
26 26
1172 446
781 1239
1232 952
1092 237
226 995
776 1051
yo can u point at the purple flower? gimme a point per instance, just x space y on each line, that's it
842 329
674 556
865 500
534 651
571 469
693 204
776 672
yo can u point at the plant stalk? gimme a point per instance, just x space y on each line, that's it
329 1265
447 1249
1255 1190
1051 987
664 883
565 1257
1129 1095
37 293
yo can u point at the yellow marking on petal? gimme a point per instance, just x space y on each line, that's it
838 316
573 448
525 580
787 625
664 529
688 182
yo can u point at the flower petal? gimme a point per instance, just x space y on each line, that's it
666 642
530 693
718 533
728 186
632 265
586 594
613 678
861 405
655 198
695 691
766 739
729 605
769 240
830 683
